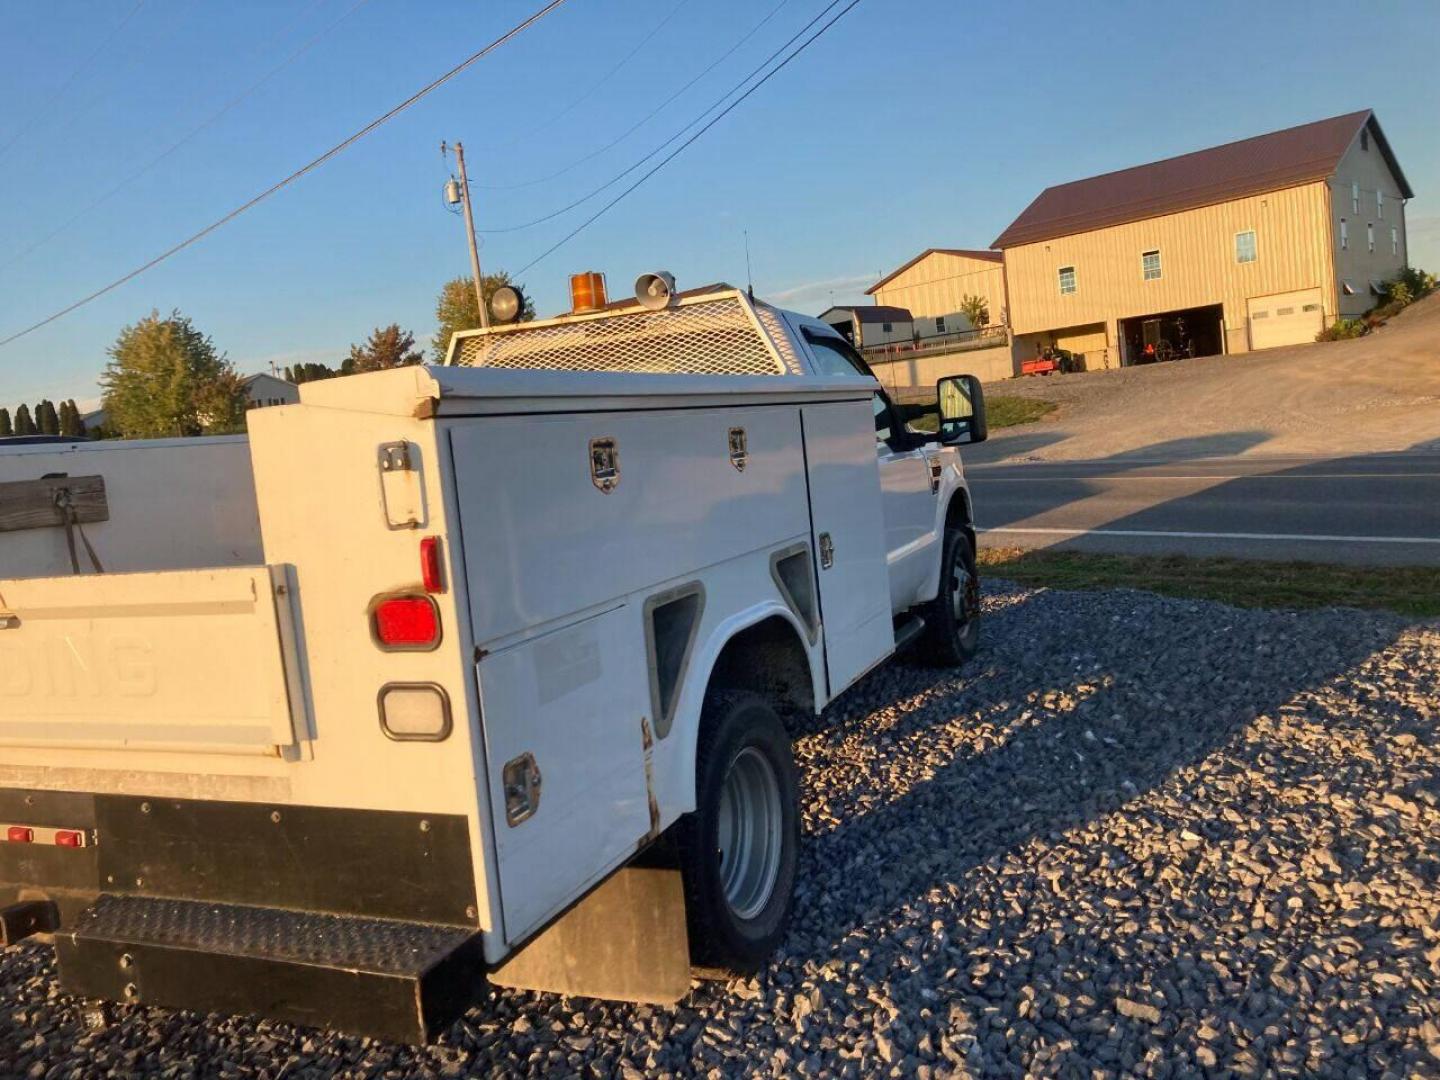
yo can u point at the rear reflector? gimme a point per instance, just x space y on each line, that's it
19 834
69 838
430 565
406 623
414 712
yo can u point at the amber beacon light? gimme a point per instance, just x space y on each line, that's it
587 291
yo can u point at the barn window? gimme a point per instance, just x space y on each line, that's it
1150 265
1355 197
1245 246
886 327
1379 204
1344 235
939 324
1370 236
1067 280
1364 138
1394 241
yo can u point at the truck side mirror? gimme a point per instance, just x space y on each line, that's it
962 410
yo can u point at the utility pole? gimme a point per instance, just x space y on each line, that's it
470 235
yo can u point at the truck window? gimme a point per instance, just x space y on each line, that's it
834 356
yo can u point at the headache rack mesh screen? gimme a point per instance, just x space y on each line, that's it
713 337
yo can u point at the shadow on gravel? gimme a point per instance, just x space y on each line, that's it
1093 813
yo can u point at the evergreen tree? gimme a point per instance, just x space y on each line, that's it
24 425
46 418
6 427
69 419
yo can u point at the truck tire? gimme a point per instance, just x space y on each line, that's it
952 619
739 848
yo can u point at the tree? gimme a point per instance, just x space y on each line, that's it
24 425
46 419
6 427
166 378
70 422
456 309
387 347
976 309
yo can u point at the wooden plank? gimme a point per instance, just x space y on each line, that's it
30 504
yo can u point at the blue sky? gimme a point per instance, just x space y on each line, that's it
909 125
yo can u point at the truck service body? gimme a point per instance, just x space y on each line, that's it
370 705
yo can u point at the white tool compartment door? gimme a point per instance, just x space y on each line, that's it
563 711
848 524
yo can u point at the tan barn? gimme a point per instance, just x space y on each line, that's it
1253 244
933 284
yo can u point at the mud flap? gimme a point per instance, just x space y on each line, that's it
625 941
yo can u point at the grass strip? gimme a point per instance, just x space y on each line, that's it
1412 591
1001 411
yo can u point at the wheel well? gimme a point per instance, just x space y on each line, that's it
768 658
957 514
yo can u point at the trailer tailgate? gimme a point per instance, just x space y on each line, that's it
188 660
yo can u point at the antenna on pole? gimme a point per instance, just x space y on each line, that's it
749 278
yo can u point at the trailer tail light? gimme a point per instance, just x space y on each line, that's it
430 570
414 712
19 834
69 838
405 623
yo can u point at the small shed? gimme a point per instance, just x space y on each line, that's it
867 325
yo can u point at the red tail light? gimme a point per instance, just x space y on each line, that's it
19 834
430 565
69 838
406 622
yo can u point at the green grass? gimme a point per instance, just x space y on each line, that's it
1407 590
1001 410
1004 411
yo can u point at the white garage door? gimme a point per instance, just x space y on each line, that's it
1285 318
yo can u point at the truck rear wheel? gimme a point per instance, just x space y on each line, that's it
739 848
952 619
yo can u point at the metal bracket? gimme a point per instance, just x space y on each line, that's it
604 464
739 450
521 780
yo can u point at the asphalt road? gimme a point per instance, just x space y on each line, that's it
1378 509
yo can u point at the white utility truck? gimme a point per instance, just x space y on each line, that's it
464 673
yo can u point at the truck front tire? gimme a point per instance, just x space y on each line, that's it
952 619
740 846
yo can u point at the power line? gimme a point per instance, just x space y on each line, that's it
679 149
297 174
202 126
545 125
635 165
648 116
85 66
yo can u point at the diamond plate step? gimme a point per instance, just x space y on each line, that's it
383 977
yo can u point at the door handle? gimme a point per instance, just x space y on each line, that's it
827 551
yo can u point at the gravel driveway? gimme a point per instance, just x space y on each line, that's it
1137 835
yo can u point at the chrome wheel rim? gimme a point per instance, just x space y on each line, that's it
964 592
750 833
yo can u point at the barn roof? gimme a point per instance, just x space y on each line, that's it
1252 166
